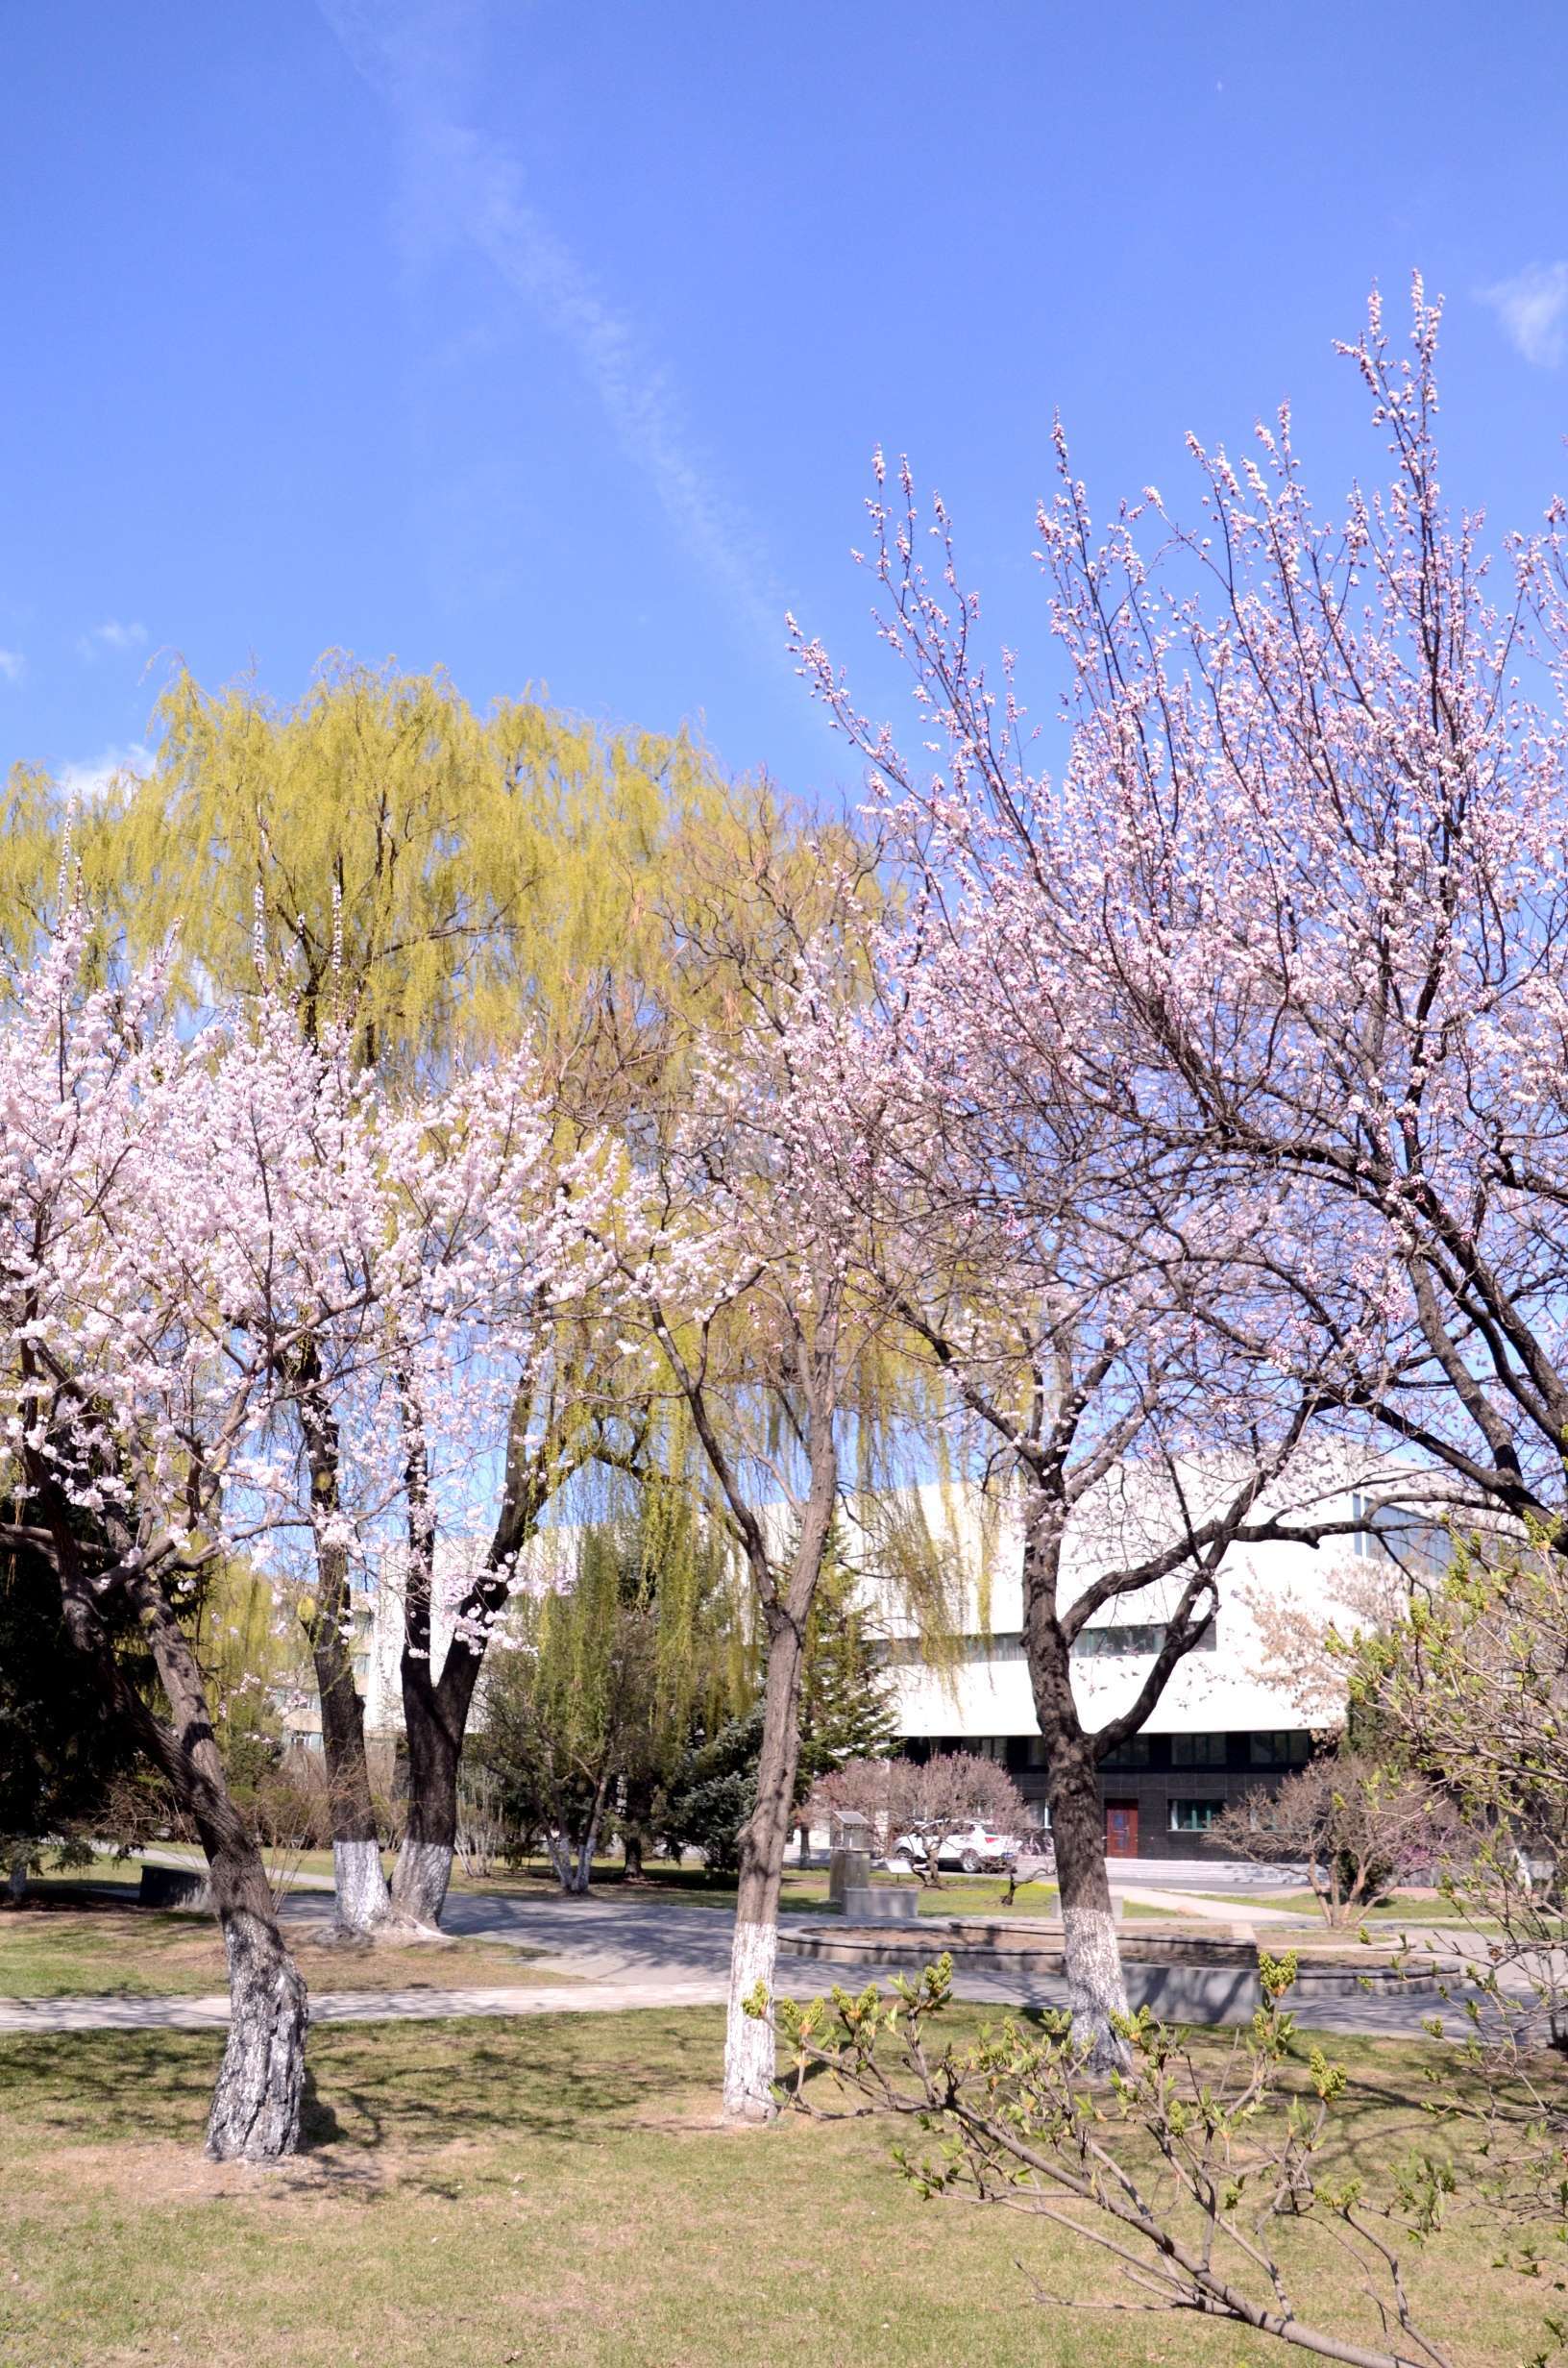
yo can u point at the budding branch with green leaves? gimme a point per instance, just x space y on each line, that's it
1185 2176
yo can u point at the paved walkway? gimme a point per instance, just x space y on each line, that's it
1197 1909
352 2005
616 1953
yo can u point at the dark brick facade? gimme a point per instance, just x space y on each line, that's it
1153 1775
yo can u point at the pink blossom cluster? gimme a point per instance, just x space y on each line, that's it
1237 1040
205 1234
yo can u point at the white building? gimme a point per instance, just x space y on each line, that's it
1236 1712
1241 1710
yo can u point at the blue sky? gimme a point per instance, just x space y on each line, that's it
550 342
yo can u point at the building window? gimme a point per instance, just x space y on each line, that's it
1147 1636
1193 1816
1198 1750
1134 1752
1008 1646
1101 1643
910 1653
1278 1748
1423 1548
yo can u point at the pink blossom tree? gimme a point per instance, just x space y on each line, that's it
1294 911
217 1244
1327 762
1087 1289
121 1424
398 1268
933 1798
1049 1274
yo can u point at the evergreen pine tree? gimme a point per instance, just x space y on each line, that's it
846 1708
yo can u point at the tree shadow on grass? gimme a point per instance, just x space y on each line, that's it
319 2125
373 2087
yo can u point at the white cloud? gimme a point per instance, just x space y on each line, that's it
13 665
1533 308
88 781
466 186
111 635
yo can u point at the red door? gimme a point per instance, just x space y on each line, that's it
1121 1829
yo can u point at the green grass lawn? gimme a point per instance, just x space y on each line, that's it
1400 1909
805 1888
557 2192
50 1950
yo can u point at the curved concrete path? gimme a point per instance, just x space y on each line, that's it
616 1953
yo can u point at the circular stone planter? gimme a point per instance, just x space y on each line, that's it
1195 1975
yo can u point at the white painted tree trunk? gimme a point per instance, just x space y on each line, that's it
1096 1987
363 1901
572 1861
750 2052
420 1892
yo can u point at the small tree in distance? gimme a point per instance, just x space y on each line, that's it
924 1802
714 1790
1357 1826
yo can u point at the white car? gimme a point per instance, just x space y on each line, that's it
974 1847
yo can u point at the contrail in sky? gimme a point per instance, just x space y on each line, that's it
471 185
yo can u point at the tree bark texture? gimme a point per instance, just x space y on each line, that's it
362 1899
256 2105
749 2056
636 1822
434 1715
435 1710
1096 1990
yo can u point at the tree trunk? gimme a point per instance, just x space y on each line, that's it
572 1861
21 1860
256 2105
362 1900
1096 1990
434 1717
749 2054
635 1823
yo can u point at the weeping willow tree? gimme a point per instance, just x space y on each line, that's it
249 1656
595 1686
759 1309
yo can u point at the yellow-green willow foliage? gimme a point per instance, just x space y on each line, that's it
606 1676
453 879
458 878
34 844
